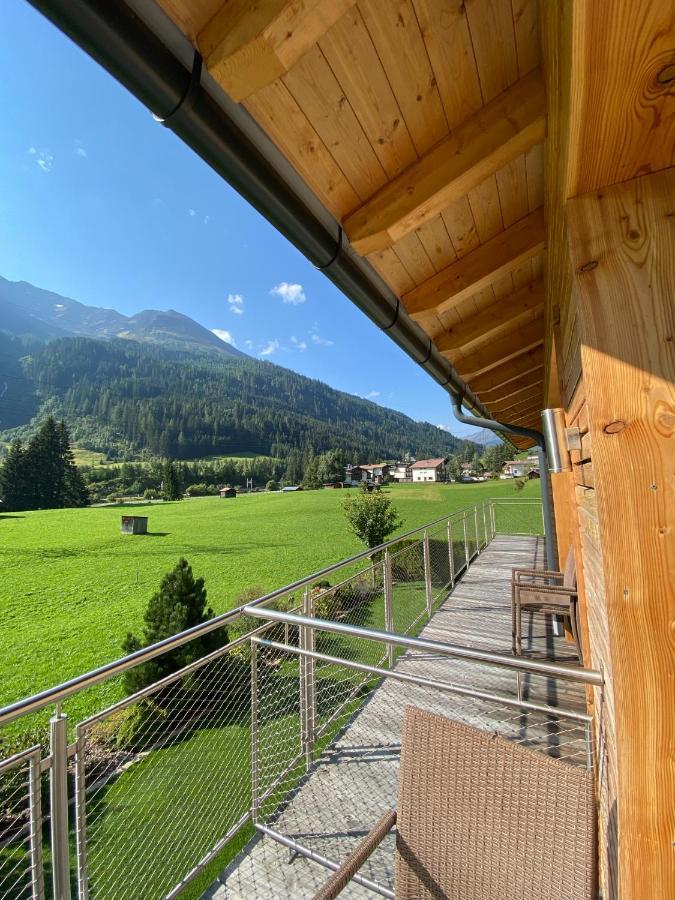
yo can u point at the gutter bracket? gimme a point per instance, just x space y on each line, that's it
338 250
189 98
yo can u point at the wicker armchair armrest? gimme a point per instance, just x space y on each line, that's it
339 880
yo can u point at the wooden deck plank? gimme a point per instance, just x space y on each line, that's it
356 778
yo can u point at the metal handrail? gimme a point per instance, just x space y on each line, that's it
61 692
533 667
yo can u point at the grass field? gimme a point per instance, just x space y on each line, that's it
73 585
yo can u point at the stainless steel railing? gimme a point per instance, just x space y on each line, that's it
206 720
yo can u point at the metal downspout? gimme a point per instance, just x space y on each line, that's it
531 434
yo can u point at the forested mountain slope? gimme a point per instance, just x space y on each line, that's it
132 397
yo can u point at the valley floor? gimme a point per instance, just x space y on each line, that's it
73 586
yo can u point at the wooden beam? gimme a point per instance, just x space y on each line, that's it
503 315
501 350
622 243
506 413
479 268
534 386
248 44
486 142
517 368
514 387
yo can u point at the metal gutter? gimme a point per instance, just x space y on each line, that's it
118 38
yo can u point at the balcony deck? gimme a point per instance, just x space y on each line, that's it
355 779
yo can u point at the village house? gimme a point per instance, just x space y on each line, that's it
400 472
429 470
377 473
517 468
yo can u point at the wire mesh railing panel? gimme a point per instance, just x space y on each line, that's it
21 874
439 563
518 517
162 777
409 600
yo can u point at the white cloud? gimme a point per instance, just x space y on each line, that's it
207 219
191 212
289 293
44 159
371 395
269 348
248 345
224 336
300 345
236 303
79 150
322 342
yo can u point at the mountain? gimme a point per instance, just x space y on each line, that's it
29 311
484 437
130 397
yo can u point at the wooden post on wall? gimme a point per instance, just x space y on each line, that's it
622 245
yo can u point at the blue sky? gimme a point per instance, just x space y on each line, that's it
100 203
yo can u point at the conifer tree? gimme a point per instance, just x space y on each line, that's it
13 478
171 481
179 604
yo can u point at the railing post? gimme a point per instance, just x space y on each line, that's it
427 574
466 542
255 788
37 870
485 529
307 688
475 520
388 606
451 555
492 519
58 797
81 814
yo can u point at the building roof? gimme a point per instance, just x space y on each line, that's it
428 463
369 466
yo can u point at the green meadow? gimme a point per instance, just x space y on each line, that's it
73 586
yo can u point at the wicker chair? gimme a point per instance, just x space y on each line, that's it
536 591
481 818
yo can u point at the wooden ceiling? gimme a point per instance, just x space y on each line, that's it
420 125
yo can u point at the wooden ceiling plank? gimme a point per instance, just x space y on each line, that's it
279 115
494 44
458 220
392 270
498 133
190 16
526 27
530 382
517 368
446 35
505 313
316 91
534 166
479 268
512 185
414 257
501 350
486 209
353 58
531 404
247 45
398 40
436 241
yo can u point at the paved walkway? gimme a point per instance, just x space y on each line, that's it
356 778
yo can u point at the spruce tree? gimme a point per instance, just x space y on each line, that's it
13 478
171 481
179 604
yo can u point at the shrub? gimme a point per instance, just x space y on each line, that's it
371 516
272 485
140 726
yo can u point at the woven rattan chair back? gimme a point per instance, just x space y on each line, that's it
481 818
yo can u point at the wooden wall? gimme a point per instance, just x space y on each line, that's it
619 513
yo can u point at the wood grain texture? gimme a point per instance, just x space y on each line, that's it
503 314
627 325
526 363
247 44
480 267
486 142
502 349
513 387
